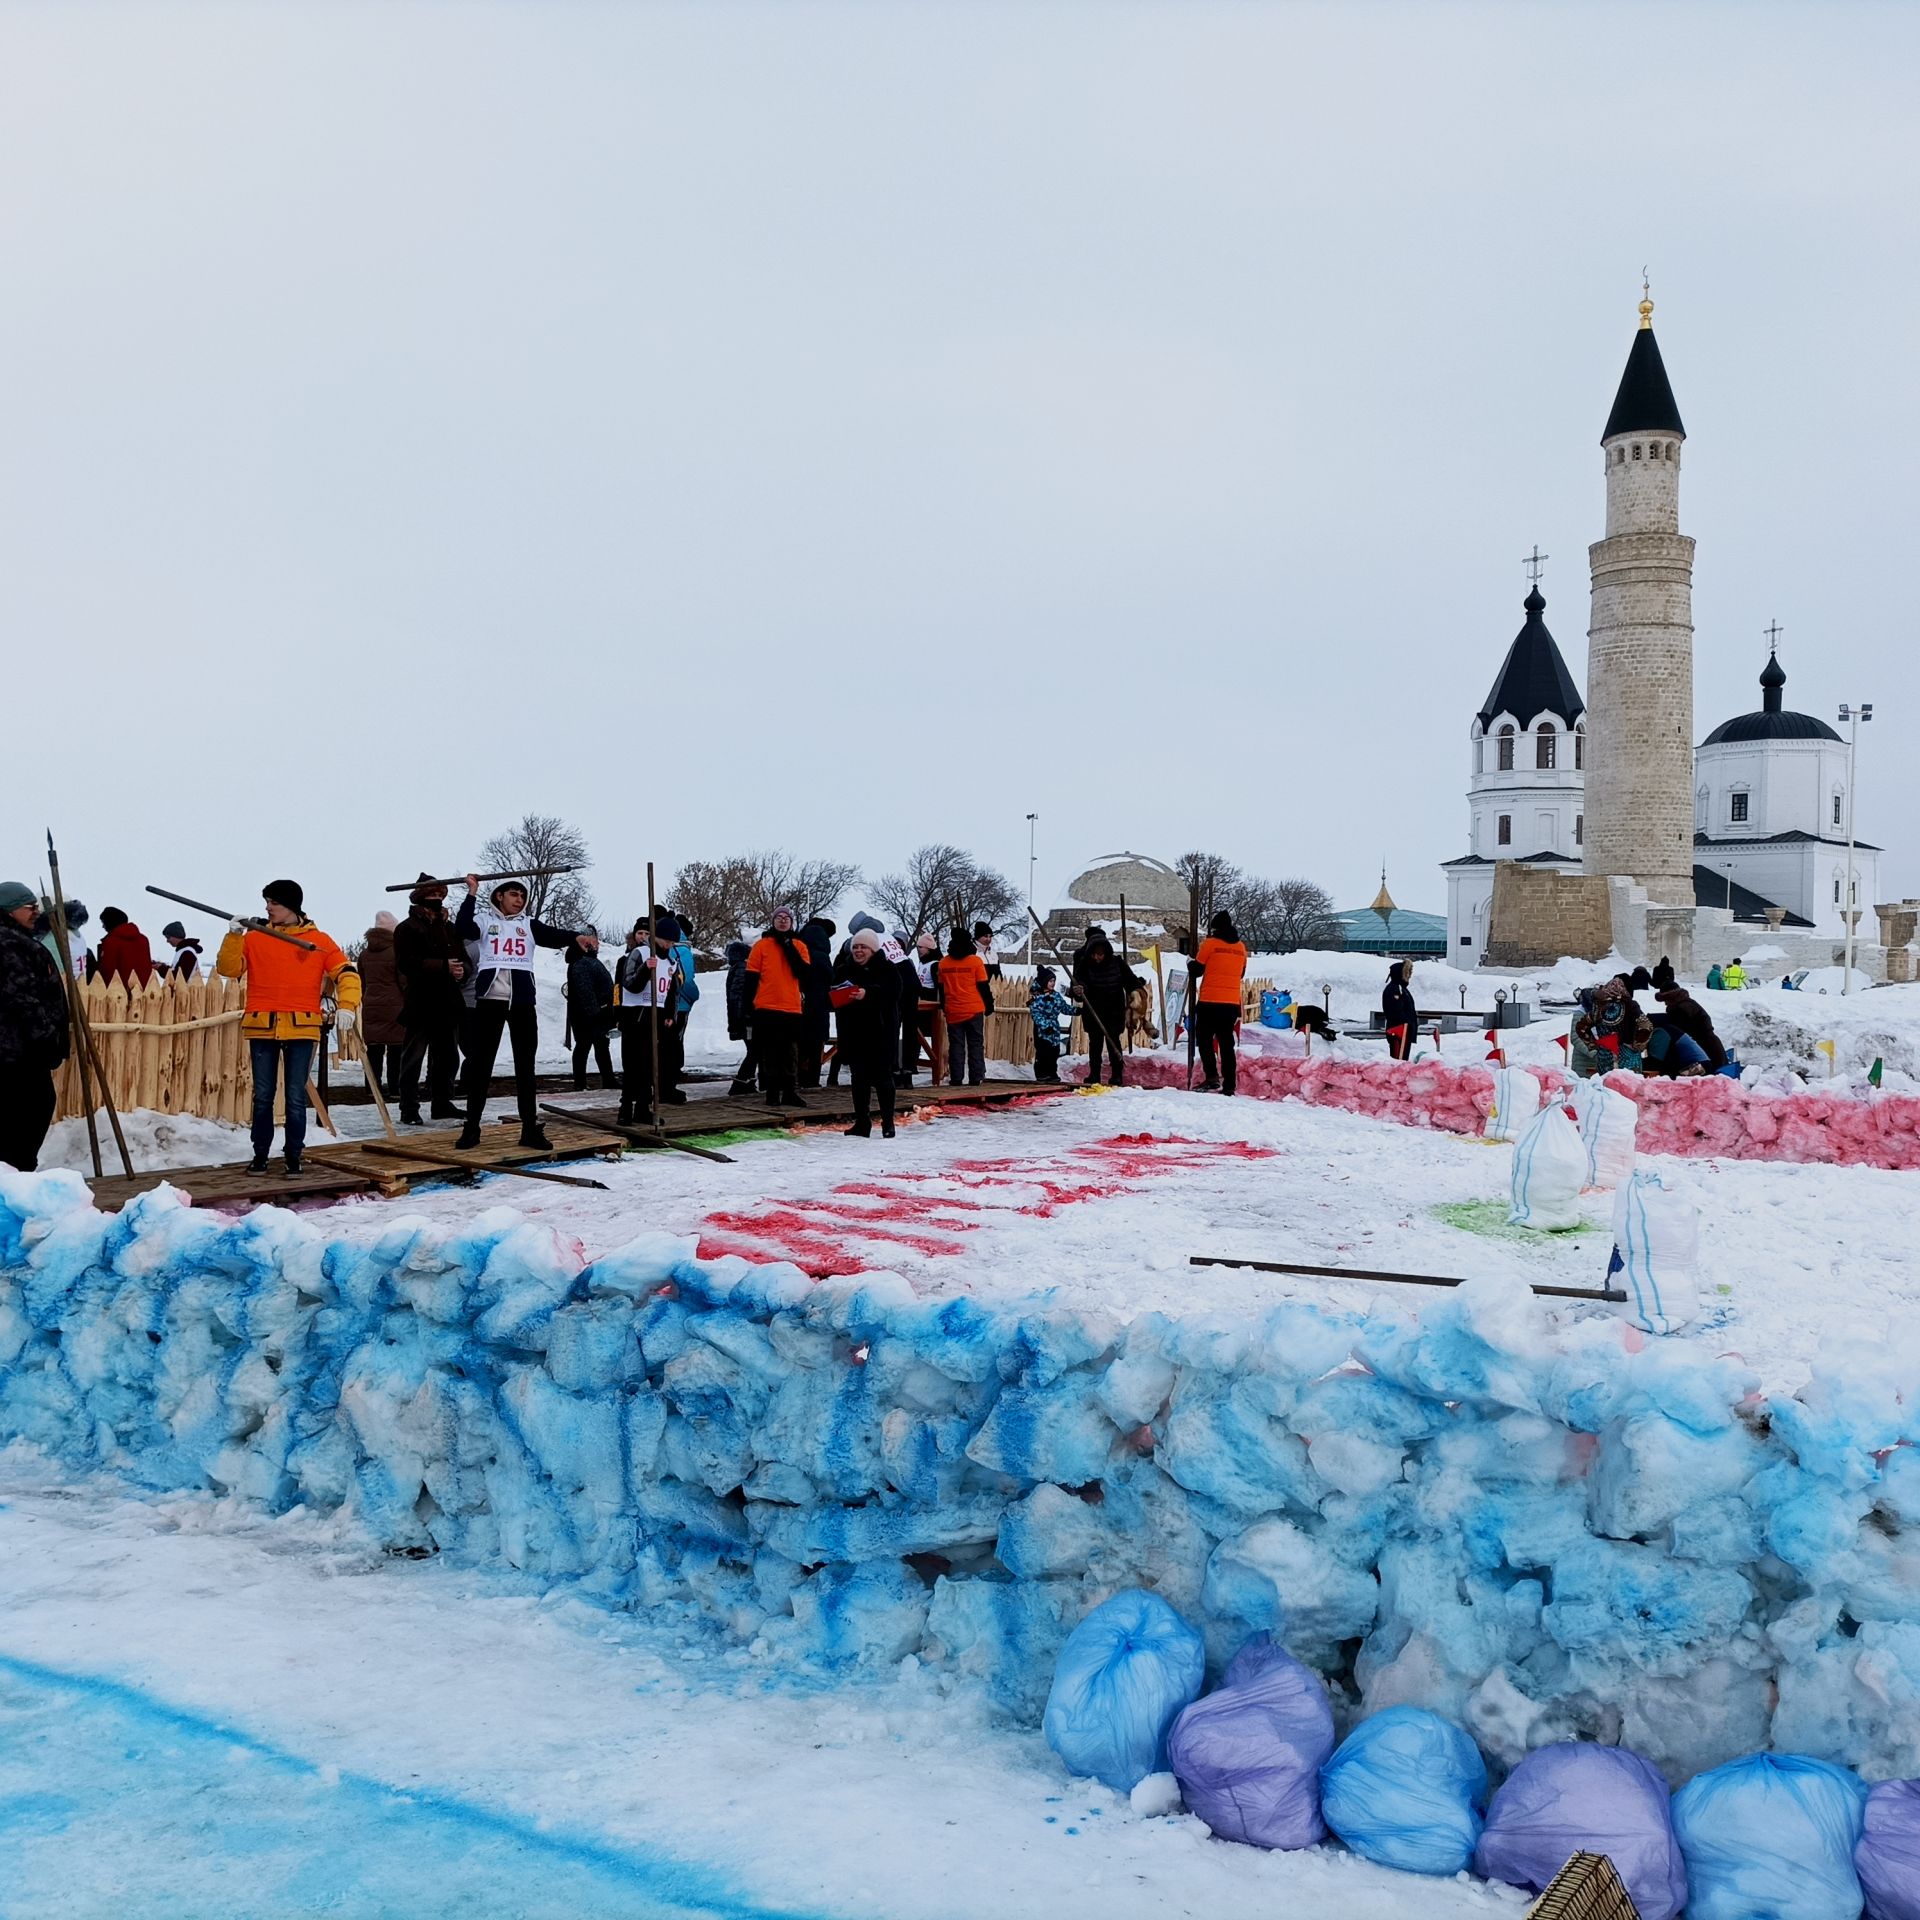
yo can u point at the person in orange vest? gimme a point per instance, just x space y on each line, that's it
1222 966
777 970
283 1020
967 998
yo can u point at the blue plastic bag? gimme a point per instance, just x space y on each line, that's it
1580 1798
1771 1837
1406 1789
1248 1756
1126 1671
1887 1857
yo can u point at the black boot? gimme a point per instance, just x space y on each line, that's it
860 1130
410 1117
258 1164
291 1171
469 1137
886 1129
533 1135
626 1113
444 1110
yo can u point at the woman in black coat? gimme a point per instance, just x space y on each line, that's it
869 1029
1397 1004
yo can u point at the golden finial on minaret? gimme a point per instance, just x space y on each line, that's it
1646 301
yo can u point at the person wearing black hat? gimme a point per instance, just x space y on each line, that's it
431 959
34 1030
284 1018
186 952
504 1000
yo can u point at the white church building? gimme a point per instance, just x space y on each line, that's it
1769 816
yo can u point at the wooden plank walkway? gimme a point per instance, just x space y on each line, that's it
334 1168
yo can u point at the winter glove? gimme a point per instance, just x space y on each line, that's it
344 1021
237 925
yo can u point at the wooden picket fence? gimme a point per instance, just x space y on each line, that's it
172 1046
1009 1036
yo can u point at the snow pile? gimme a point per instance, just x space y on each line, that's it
1542 1536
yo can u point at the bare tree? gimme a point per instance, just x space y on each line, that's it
729 899
545 840
944 886
1282 916
718 899
1213 876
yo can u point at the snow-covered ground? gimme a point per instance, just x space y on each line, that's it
208 1714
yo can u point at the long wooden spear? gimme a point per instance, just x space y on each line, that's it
460 879
83 1031
1408 1279
257 926
1062 965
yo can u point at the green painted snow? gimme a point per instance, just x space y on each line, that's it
1489 1218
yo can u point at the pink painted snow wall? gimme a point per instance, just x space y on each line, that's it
1698 1118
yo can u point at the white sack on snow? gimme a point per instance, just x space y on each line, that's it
1516 1099
1607 1124
1656 1254
1549 1169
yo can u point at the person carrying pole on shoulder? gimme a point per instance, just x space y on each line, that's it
1222 966
283 1020
35 1029
504 1000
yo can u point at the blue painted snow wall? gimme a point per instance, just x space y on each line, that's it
1545 1535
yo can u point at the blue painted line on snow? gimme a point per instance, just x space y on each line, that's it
662 1875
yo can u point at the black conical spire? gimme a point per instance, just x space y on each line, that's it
1645 402
1533 679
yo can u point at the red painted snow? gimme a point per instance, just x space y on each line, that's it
822 1234
1714 1116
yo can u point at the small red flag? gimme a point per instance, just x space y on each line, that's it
1560 1041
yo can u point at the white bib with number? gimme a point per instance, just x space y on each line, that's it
506 943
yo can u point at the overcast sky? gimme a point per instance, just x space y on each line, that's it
845 426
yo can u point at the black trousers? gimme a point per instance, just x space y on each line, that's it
1046 1059
871 1070
594 1040
776 1039
747 1071
26 1112
636 1058
490 1019
433 1043
383 1064
1213 1028
1115 1019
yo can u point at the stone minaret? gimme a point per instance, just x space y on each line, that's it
1640 646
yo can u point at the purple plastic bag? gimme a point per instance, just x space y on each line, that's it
1248 1756
1887 1858
1580 1798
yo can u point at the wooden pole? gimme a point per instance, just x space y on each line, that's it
1058 962
1409 1279
76 1043
254 925
653 1011
379 1098
320 1107
641 1136
1193 979
426 1158
460 879
1126 959
84 1032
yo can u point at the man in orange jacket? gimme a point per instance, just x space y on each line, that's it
777 970
283 1020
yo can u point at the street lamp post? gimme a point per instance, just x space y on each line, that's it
1033 829
1852 713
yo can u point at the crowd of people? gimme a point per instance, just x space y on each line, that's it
1613 1032
434 993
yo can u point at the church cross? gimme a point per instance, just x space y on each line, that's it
1534 562
1773 633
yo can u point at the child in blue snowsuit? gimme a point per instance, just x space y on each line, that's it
1050 1012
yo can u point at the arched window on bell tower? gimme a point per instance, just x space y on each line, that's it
1506 748
1546 746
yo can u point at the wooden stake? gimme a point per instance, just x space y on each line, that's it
1193 981
1125 960
653 1011
320 1107
1409 1279
379 1098
84 1031
76 1044
427 1158
641 1136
